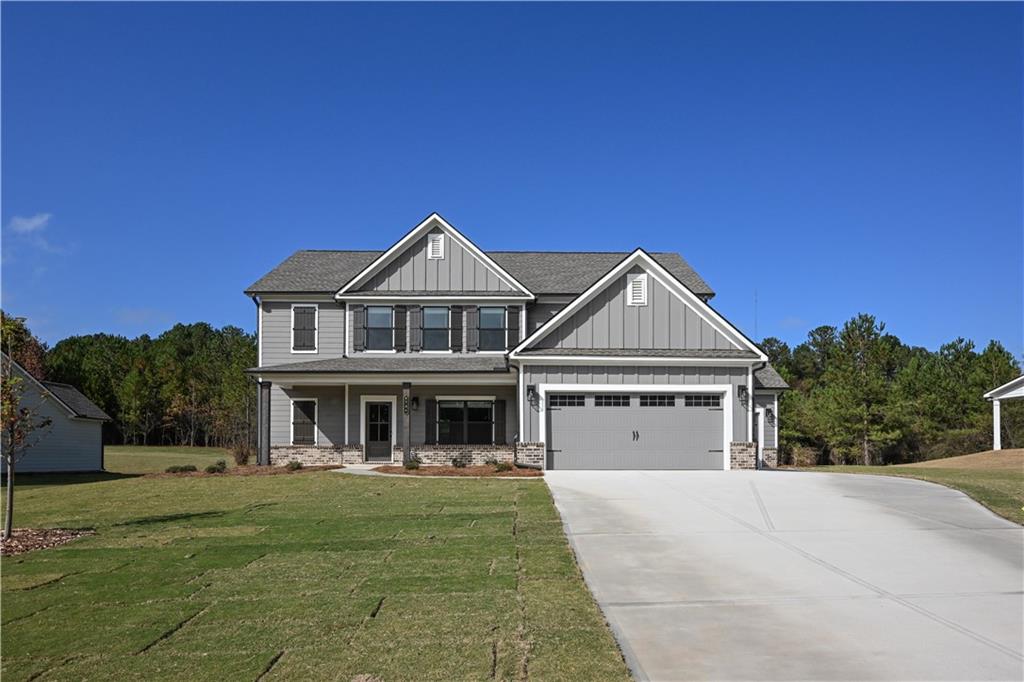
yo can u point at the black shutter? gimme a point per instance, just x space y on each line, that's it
303 422
430 412
499 422
415 328
400 328
304 329
358 327
456 325
472 328
513 327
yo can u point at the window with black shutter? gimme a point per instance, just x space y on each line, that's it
303 422
492 328
304 328
380 330
435 328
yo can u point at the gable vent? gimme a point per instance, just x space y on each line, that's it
435 246
638 290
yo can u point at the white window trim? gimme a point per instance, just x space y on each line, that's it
724 390
363 399
504 325
433 239
423 314
367 327
644 281
316 421
316 328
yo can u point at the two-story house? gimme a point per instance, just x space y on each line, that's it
437 349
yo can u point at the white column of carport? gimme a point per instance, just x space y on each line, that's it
997 441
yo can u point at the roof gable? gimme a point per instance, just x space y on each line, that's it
684 320
406 266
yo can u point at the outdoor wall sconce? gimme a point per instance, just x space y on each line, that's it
415 402
743 393
531 391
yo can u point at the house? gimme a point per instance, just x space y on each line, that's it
437 349
74 439
1011 390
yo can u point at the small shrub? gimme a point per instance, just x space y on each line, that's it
503 466
491 460
413 463
458 463
242 452
293 465
180 469
218 467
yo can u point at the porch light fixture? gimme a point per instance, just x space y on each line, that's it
743 393
531 391
415 403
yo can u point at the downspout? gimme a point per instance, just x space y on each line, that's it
753 416
256 380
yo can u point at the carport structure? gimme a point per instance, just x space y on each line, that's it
1011 390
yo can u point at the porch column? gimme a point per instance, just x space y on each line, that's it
406 421
263 457
997 441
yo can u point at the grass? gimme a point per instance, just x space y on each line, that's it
137 459
318 576
996 480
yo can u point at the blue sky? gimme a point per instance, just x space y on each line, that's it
832 158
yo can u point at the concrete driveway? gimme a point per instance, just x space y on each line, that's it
742 575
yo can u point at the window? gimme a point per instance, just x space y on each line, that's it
638 290
611 401
702 401
304 319
492 328
435 247
465 422
660 400
380 334
566 401
303 422
435 328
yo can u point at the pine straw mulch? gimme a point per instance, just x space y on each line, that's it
247 470
477 471
27 539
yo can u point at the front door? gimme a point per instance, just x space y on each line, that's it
378 432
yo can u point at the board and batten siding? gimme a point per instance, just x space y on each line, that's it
765 401
68 445
645 374
539 313
666 322
459 270
276 334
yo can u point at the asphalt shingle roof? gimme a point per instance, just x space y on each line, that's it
767 377
543 272
641 353
395 363
79 404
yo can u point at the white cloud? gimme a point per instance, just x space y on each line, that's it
23 225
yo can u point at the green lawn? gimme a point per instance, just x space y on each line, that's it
137 459
1001 490
315 575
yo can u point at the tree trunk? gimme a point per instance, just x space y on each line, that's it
867 451
10 500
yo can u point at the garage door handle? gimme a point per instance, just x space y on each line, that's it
636 436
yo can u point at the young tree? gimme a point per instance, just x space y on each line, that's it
23 346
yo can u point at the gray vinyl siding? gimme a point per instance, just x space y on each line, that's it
68 445
645 374
766 400
330 415
539 313
666 322
276 334
459 270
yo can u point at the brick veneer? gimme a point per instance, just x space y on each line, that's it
770 457
530 454
470 454
743 455
315 455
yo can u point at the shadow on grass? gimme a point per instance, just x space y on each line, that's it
164 518
33 479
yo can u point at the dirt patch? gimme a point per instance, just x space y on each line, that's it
27 539
479 471
248 470
1008 460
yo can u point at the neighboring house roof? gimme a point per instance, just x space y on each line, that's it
1011 390
75 401
767 377
542 272
461 363
641 353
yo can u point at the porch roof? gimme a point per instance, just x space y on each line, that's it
394 363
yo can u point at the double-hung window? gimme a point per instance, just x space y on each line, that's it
436 334
380 330
303 422
304 320
465 422
492 328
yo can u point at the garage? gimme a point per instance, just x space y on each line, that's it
635 430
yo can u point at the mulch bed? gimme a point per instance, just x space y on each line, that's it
248 470
27 539
482 470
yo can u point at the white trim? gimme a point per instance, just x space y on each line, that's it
631 280
522 324
316 420
750 403
504 326
1011 389
302 295
625 360
391 379
997 430
483 398
259 332
363 399
424 327
431 221
316 329
437 239
775 415
348 330
414 298
725 390
522 406
666 279
346 414
759 420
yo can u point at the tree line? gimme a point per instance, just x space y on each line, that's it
185 387
860 395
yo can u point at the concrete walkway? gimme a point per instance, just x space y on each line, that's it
784 575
